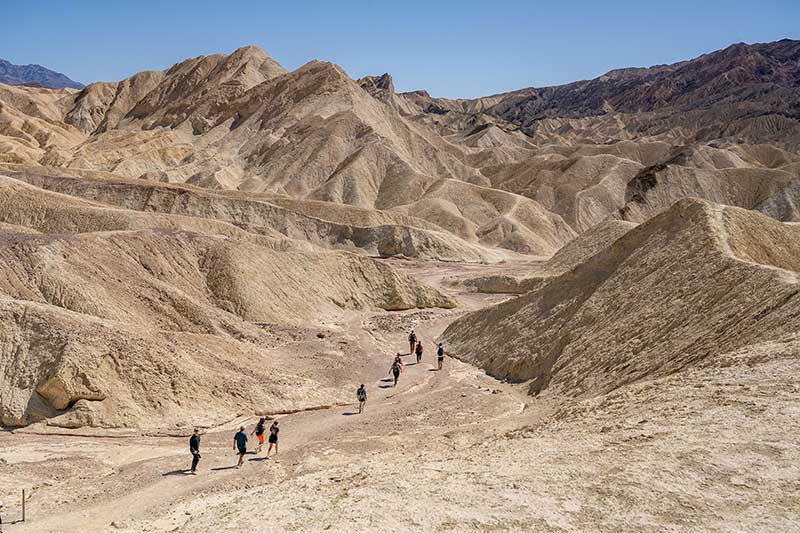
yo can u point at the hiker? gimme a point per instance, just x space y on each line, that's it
194 447
259 433
361 394
440 355
273 438
399 362
395 369
419 351
412 341
1 517
240 444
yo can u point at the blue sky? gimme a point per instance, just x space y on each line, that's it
455 49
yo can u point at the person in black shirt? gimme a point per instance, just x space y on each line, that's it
194 447
419 351
361 394
273 438
440 355
412 341
259 432
395 369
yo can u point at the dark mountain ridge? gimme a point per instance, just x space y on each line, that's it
35 75
748 91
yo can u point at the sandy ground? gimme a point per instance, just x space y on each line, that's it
449 450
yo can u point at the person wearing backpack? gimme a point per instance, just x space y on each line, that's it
259 433
440 355
412 341
418 351
395 369
361 394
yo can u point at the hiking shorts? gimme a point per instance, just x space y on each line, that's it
242 451
260 438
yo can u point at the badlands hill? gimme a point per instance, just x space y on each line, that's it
626 145
115 317
694 282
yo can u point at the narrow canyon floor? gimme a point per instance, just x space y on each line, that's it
444 450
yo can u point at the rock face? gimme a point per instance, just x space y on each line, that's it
666 296
379 87
34 75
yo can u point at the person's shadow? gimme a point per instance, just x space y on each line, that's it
385 386
176 473
350 413
386 380
259 459
223 468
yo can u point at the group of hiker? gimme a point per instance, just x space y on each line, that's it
240 438
415 347
239 442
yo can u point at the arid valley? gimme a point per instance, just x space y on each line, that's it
612 267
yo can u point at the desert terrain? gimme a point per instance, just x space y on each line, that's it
698 448
613 266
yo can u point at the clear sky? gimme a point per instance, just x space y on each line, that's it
451 48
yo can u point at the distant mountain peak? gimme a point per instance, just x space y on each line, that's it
38 75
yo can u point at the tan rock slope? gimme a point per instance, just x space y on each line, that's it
377 233
696 281
575 252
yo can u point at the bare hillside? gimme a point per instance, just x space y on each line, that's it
667 295
117 317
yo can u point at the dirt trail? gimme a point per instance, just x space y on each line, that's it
88 483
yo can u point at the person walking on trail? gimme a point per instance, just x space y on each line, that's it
412 341
273 437
396 367
418 351
440 355
240 444
399 361
361 394
194 447
1 517
259 432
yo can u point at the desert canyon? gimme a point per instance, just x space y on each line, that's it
613 266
